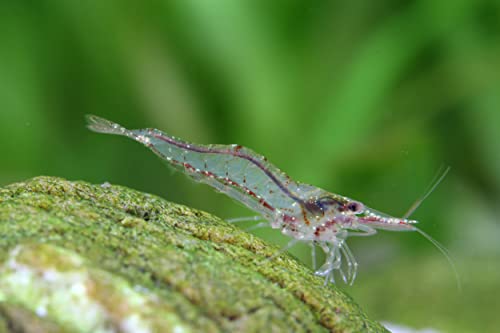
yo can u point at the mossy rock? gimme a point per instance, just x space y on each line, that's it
76 257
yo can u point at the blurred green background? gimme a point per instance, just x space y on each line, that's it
363 98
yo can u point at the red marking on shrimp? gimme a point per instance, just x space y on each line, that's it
319 230
304 216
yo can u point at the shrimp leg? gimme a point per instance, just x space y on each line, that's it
332 262
352 264
258 226
364 231
289 245
245 219
313 254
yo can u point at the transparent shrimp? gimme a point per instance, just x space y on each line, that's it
304 212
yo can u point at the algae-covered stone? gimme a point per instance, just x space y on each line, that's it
76 257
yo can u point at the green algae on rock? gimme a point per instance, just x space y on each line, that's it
88 258
57 283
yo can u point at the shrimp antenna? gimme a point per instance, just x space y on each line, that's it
438 178
435 182
445 252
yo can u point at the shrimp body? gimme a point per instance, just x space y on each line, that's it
302 211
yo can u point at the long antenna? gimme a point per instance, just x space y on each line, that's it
438 178
435 182
446 253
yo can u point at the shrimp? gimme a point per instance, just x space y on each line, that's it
301 211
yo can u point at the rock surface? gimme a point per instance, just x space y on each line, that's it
76 257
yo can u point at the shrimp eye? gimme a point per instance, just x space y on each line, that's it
355 207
